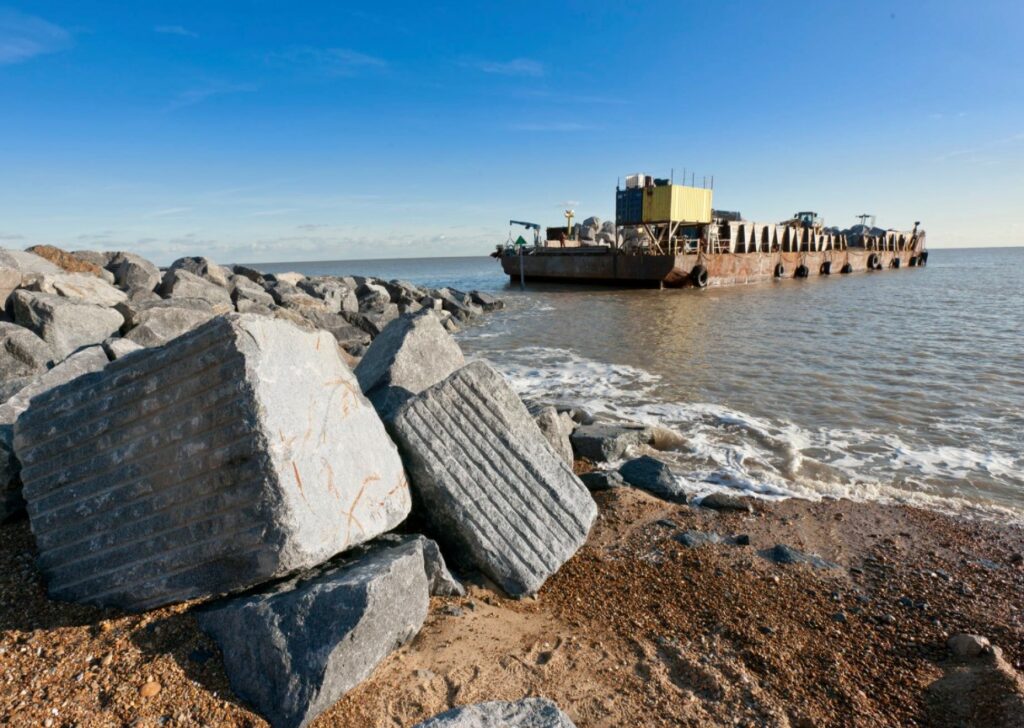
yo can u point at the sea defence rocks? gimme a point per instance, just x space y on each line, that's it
66 324
81 286
603 441
410 354
134 272
292 651
489 484
525 713
90 359
238 453
152 323
22 352
557 428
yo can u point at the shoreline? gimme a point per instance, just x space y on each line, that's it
632 603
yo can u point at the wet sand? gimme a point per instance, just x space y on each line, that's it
637 629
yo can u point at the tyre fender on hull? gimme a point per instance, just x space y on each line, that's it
826 268
699 276
873 263
848 268
780 270
895 263
802 271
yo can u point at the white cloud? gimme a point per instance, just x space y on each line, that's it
514 67
331 61
175 30
26 36
198 94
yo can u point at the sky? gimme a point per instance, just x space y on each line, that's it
261 131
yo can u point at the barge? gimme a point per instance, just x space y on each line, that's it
668 235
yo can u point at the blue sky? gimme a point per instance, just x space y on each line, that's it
258 131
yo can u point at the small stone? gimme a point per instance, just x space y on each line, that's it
150 689
742 540
654 476
966 646
726 502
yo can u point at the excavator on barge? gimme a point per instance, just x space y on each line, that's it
668 235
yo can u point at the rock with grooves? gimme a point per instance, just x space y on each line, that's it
490 486
66 324
410 354
238 453
654 476
87 360
294 650
525 713
604 441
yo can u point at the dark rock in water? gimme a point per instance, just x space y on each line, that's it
84 361
654 476
579 415
410 354
458 305
66 324
489 483
257 457
294 650
486 301
782 554
607 441
557 429
22 352
726 502
602 480
525 713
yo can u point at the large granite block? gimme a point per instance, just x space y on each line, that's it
296 649
490 485
238 453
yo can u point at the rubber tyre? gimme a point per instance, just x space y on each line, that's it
780 270
895 263
913 261
699 276
848 268
802 271
922 259
873 263
826 268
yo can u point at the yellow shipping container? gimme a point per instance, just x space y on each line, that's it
677 203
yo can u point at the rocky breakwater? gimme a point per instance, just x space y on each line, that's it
256 443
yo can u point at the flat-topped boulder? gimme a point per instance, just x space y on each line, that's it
204 268
22 352
294 650
238 453
491 487
133 271
603 441
82 286
156 321
66 324
72 263
18 265
525 713
180 283
409 355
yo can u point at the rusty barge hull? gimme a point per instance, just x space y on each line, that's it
606 267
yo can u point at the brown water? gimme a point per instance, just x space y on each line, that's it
903 385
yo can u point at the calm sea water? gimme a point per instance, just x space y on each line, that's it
905 385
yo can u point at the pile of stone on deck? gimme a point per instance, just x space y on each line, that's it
200 433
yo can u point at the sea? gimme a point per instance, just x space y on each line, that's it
898 385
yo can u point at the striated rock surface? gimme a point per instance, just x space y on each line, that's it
238 453
490 485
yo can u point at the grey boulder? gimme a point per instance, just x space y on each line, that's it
557 428
243 289
489 484
343 332
153 323
133 271
294 650
118 347
90 359
486 301
333 292
16 266
726 502
238 453
654 476
525 713
66 324
22 352
180 283
603 441
82 286
440 579
598 480
204 268
410 354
